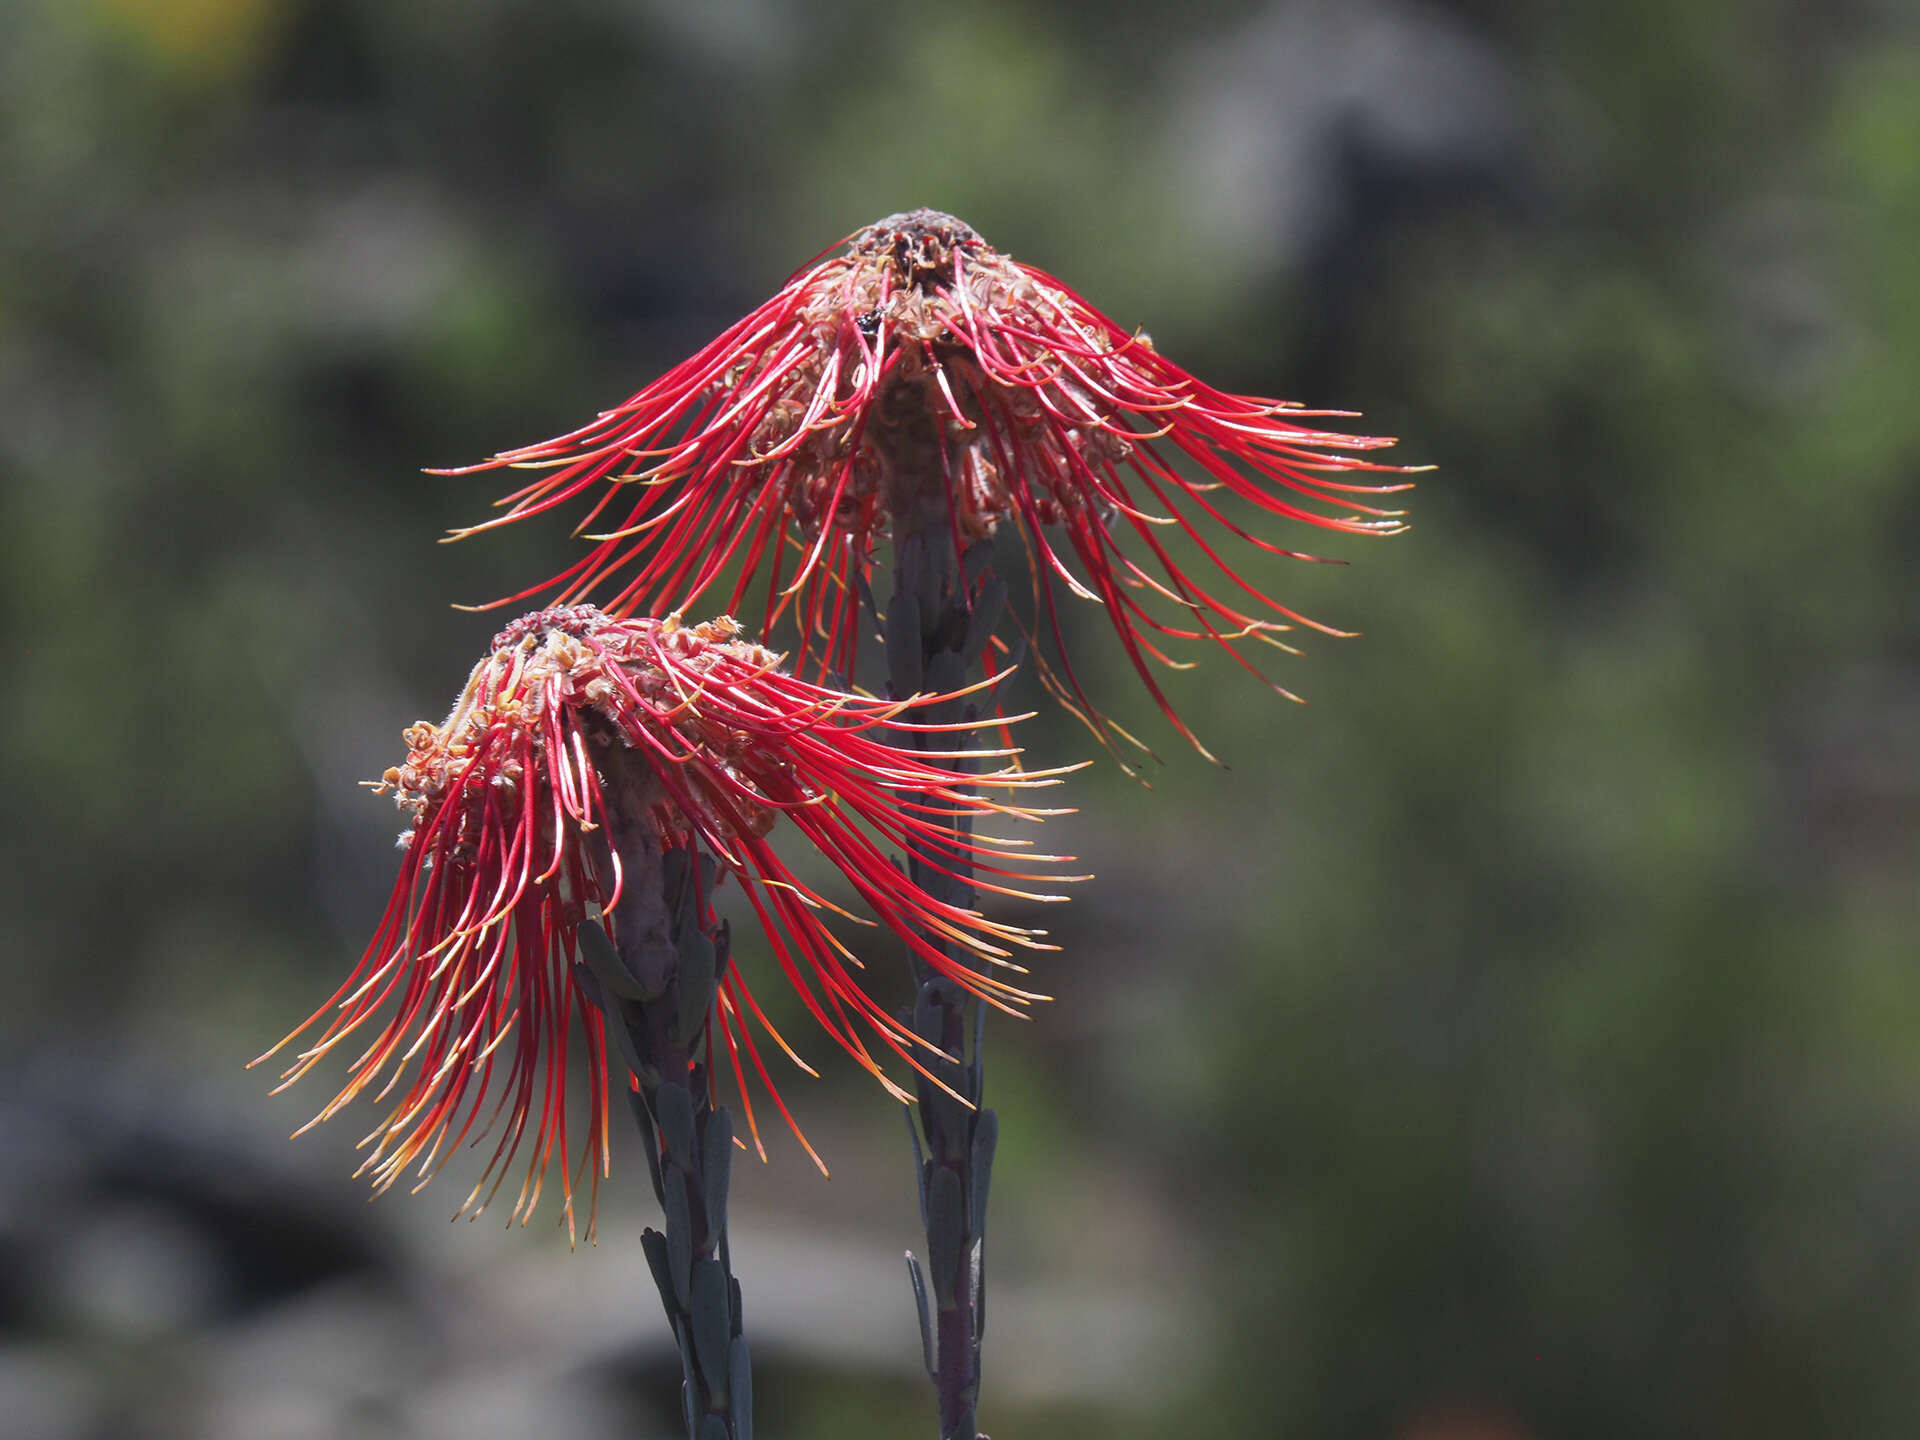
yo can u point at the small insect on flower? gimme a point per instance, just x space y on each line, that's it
922 380
578 726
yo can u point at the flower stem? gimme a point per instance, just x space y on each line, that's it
655 981
938 619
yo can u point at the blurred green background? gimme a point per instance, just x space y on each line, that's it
1523 1040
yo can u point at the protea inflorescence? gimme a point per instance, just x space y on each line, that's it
605 769
922 381
583 749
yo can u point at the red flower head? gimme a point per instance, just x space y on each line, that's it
1023 402
577 724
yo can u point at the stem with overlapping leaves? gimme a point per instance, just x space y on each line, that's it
938 622
656 980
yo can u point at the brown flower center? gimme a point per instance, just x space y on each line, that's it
919 243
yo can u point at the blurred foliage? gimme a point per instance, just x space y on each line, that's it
1522 1039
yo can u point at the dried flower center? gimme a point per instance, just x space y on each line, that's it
574 671
572 620
919 243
